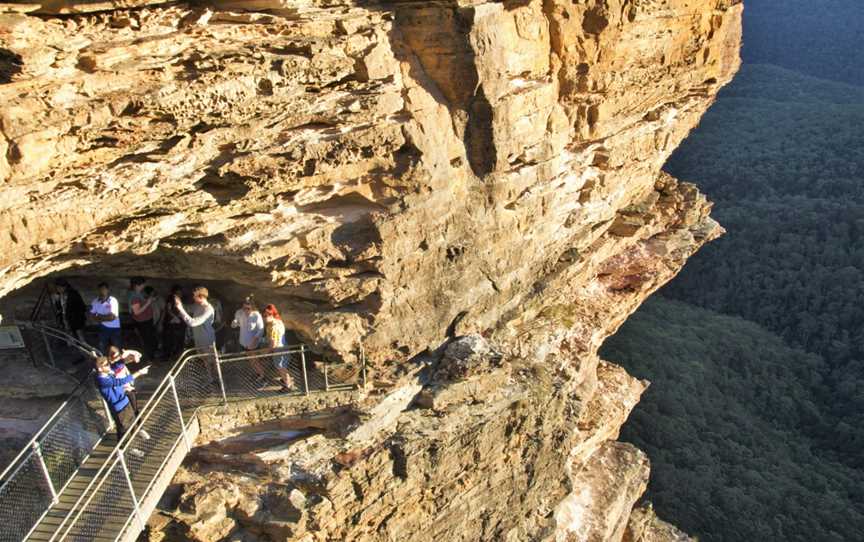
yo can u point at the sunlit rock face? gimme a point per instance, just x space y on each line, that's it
391 174
385 168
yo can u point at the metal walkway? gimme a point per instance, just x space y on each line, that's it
75 482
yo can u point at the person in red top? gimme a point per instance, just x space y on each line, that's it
141 308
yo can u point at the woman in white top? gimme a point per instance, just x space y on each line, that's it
251 328
250 324
106 310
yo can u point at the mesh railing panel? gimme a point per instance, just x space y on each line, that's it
73 435
151 441
109 508
339 375
25 496
151 444
195 387
37 346
263 375
49 347
106 507
63 443
194 384
260 376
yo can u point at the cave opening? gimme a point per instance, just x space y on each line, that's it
43 370
39 302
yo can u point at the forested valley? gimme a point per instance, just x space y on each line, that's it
755 420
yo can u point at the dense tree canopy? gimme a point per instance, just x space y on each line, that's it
774 133
724 423
755 422
823 38
788 177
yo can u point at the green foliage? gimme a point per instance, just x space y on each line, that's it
724 423
787 176
818 37
757 433
762 139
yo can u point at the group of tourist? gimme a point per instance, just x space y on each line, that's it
168 318
149 315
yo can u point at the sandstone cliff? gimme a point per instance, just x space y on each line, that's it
391 174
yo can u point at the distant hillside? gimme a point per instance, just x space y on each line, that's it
823 38
723 423
783 156
774 132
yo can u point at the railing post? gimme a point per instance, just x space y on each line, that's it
107 413
303 364
326 380
38 451
219 374
48 348
122 457
179 412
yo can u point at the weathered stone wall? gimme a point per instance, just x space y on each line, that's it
384 168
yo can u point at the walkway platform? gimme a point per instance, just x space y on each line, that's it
111 493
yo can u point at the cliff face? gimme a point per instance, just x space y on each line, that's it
389 173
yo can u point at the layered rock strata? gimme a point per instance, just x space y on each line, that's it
391 174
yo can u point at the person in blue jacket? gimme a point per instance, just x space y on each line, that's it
113 390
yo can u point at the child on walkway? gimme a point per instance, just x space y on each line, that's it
120 359
113 390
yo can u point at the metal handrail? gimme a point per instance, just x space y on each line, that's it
41 438
62 335
50 435
186 414
101 475
117 454
27 450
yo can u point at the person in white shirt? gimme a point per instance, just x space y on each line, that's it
251 328
106 311
250 324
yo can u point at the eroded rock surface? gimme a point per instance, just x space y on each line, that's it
386 168
391 174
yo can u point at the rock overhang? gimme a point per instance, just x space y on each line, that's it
390 175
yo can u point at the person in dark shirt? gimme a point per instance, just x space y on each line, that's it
71 308
174 330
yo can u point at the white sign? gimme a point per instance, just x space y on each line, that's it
10 337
